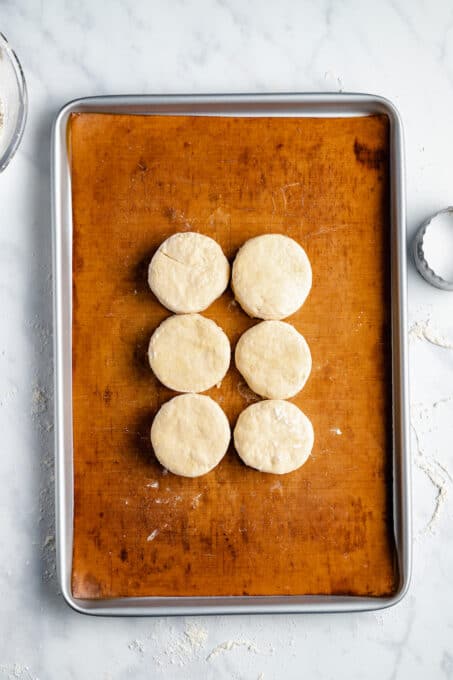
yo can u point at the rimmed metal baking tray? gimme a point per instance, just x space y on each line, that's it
296 105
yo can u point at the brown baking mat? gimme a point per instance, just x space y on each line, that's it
324 529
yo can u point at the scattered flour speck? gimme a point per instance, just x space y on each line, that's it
232 644
424 330
196 634
196 500
168 501
16 671
39 401
8 397
137 646
438 475
185 648
153 535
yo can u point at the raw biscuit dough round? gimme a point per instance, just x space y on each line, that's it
189 353
190 435
273 436
188 272
274 359
271 276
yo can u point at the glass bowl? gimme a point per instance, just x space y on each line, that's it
13 102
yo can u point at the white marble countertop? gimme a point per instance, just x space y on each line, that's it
400 49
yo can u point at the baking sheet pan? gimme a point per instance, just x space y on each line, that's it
297 106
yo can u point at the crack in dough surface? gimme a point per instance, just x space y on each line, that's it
188 272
